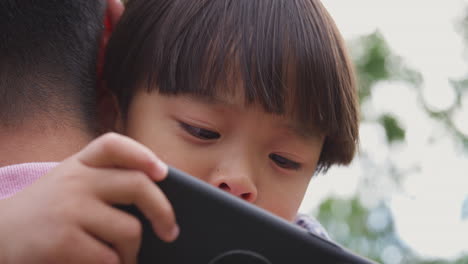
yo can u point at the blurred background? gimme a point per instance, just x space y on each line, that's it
404 199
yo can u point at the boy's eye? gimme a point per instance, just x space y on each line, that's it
200 132
284 162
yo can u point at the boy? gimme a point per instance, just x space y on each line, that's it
253 97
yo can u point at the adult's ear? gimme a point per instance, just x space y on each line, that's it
114 10
109 116
108 111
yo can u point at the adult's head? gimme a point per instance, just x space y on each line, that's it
48 57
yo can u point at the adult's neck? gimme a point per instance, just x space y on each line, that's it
41 141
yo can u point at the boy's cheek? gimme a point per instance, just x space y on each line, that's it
169 147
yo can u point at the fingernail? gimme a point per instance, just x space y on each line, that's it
161 170
174 233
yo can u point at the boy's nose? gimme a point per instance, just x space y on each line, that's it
241 186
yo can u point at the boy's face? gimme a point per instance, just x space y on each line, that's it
241 149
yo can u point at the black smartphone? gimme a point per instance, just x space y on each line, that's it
218 228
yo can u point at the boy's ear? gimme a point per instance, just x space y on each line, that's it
108 111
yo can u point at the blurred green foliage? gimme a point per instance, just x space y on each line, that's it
370 231
375 62
464 213
393 129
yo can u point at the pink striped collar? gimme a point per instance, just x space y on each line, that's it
16 177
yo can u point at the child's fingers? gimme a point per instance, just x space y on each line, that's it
84 248
117 151
133 187
121 230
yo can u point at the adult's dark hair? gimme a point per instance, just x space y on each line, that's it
286 55
48 51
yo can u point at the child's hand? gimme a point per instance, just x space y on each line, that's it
67 216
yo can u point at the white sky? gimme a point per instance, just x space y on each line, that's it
427 212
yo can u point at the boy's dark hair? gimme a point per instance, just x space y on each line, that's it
48 53
287 54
